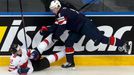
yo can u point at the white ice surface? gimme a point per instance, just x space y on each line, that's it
81 71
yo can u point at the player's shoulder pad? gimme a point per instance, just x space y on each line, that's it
64 9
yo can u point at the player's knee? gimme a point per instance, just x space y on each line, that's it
41 47
69 50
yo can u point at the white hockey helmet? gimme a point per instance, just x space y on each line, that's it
55 4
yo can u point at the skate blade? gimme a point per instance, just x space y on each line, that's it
130 50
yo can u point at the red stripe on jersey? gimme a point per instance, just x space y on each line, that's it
56 57
24 65
29 53
112 40
10 69
61 21
46 41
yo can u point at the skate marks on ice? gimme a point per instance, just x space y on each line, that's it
107 70
4 71
88 71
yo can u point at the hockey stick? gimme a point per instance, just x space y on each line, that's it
90 3
7 5
23 23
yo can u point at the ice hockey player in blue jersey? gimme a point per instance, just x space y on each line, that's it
79 25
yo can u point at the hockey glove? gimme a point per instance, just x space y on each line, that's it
43 30
23 70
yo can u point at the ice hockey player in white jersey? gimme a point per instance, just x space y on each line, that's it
19 61
23 62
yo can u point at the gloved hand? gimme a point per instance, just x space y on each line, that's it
35 55
43 30
23 71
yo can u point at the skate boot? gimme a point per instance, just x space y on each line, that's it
127 47
68 65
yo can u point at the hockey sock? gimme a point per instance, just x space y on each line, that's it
70 55
56 56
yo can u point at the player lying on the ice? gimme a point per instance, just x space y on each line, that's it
23 62
79 25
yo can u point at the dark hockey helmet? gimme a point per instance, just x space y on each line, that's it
14 48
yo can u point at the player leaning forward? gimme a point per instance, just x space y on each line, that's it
79 25
23 62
